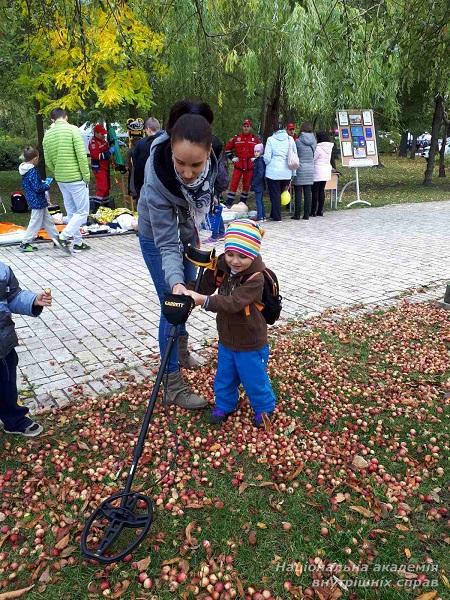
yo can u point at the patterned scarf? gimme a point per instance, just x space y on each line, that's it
199 193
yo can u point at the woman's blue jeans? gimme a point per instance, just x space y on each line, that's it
152 258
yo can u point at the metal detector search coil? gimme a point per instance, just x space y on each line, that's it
122 521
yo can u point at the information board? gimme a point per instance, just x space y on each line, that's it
357 138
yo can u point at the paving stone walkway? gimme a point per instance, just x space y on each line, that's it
105 313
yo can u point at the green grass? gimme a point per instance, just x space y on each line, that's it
399 181
10 182
359 366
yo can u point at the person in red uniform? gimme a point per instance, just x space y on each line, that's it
290 128
100 155
241 151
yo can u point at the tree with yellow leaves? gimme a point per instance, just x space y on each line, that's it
78 54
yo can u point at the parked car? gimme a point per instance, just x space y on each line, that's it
425 151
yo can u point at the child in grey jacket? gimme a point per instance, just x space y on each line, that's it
15 300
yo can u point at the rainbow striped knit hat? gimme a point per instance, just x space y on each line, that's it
244 236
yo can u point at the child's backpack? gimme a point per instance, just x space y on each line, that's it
271 300
19 203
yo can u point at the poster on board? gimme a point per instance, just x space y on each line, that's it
357 138
343 117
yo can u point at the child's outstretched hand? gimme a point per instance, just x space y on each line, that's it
199 299
44 298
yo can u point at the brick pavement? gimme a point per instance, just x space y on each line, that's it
105 312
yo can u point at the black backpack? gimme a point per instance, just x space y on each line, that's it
19 203
271 300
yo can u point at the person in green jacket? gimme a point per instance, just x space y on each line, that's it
65 156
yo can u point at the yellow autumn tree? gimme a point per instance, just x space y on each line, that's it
88 54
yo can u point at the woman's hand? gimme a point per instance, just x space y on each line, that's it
180 288
199 299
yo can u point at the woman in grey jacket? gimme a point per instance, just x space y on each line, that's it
304 176
179 181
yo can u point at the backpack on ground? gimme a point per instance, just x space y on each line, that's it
19 203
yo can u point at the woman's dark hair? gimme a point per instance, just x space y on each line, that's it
306 127
322 136
29 153
191 121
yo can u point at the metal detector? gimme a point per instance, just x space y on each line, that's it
204 259
129 514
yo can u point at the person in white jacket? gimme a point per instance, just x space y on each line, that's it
278 174
322 172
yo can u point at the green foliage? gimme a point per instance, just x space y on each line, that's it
10 151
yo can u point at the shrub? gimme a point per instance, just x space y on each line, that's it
10 150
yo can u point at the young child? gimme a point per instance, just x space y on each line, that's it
243 347
258 181
34 189
15 300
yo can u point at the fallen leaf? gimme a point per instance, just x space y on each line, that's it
401 527
359 462
63 542
427 596
298 568
445 581
15 593
407 552
242 487
261 525
240 587
295 473
340 497
142 565
252 538
188 533
120 589
45 577
68 551
82 445
171 561
365 512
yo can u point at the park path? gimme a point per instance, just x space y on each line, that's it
105 311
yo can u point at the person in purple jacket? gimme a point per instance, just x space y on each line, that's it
34 189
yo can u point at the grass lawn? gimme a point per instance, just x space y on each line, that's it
342 496
398 182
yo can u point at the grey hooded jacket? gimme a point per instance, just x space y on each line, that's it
164 217
306 145
13 300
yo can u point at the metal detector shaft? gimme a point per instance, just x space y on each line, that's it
149 412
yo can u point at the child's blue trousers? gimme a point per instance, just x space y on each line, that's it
248 368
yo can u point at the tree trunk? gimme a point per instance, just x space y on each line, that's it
272 109
403 148
40 136
412 154
445 133
437 120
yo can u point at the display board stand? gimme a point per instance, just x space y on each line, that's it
358 197
358 145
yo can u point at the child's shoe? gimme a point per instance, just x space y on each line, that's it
27 247
258 420
218 416
64 244
80 247
32 430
